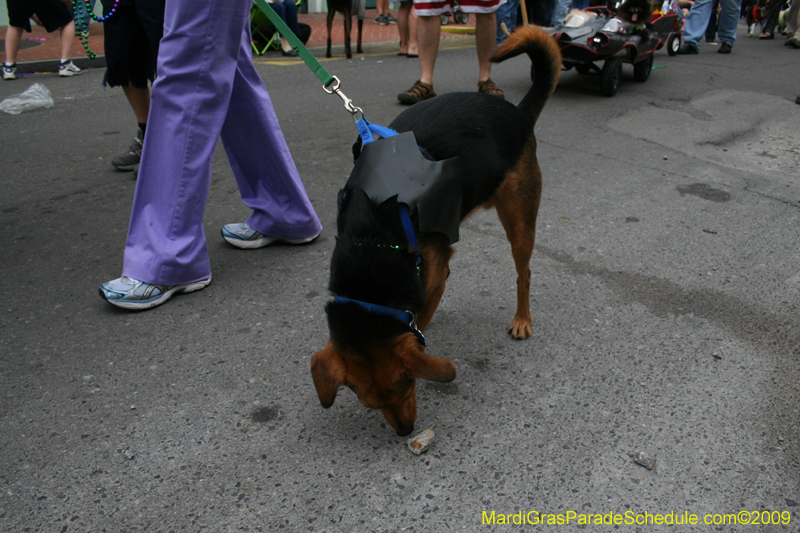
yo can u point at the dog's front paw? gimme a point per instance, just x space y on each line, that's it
520 330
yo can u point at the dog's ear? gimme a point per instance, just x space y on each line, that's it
328 370
423 365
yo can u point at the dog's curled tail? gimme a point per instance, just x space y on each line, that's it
545 56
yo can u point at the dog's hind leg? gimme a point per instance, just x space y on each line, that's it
517 204
436 253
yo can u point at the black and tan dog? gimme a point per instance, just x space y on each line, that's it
382 280
347 8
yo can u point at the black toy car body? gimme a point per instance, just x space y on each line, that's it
604 38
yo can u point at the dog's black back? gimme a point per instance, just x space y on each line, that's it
470 125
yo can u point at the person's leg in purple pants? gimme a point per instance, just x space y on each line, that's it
206 87
265 171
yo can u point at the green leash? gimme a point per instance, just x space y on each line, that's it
330 84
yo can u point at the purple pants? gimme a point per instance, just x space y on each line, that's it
207 87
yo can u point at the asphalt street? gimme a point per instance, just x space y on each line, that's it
665 299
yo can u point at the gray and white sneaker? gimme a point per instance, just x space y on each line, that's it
128 159
9 71
245 237
68 68
130 293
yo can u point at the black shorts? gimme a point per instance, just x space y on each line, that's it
132 35
53 14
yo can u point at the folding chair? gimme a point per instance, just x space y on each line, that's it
259 23
259 28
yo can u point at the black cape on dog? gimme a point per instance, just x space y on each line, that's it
395 166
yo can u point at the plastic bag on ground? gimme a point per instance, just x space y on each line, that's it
36 96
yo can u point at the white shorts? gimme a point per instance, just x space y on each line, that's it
433 8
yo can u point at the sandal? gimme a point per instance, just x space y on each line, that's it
489 87
419 92
766 35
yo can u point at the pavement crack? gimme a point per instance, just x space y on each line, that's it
776 333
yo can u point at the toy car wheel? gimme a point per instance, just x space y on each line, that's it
461 18
583 68
610 76
642 69
673 44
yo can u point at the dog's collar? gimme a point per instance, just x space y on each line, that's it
406 317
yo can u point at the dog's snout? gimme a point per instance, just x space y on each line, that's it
402 420
405 431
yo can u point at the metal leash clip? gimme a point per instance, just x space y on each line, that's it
413 323
348 103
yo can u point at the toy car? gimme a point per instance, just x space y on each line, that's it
601 37
458 16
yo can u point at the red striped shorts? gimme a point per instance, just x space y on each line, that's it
432 8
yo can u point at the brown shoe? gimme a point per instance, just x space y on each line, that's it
488 87
419 92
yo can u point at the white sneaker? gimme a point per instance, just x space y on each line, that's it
131 293
9 71
243 236
68 68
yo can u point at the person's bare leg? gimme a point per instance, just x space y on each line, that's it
403 16
67 34
13 40
413 44
429 31
485 34
139 99
382 7
285 46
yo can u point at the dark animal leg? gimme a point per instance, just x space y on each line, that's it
348 26
331 14
360 25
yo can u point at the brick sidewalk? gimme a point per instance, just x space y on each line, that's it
40 46
42 50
